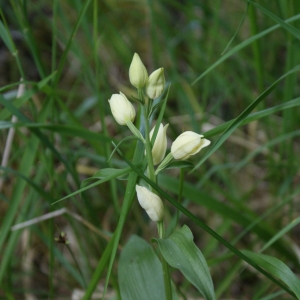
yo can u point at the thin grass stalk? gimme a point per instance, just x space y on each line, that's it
256 49
107 148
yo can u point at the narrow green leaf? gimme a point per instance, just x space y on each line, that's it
254 116
277 268
128 138
180 251
140 272
281 233
281 22
243 45
111 172
6 38
239 120
104 179
237 30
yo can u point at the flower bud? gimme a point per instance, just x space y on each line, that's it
151 203
160 145
121 108
188 144
155 84
138 74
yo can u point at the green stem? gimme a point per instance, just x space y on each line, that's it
165 266
181 182
152 177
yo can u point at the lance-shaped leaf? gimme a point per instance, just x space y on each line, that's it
180 252
140 272
277 268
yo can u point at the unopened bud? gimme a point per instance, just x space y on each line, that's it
188 144
121 108
151 203
160 145
155 84
138 74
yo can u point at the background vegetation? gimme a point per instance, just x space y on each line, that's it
72 55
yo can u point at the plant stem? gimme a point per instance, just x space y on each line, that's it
181 182
152 177
165 266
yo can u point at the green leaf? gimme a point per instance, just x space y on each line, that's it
6 38
140 272
156 107
180 252
241 46
84 187
254 116
240 119
277 268
128 138
295 32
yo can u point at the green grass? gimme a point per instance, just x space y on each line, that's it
73 55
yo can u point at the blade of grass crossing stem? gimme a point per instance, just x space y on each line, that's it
204 226
239 120
241 46
254 116
108 178
295 32
129 194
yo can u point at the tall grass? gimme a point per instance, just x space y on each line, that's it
71 56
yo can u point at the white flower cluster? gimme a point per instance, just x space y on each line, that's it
186 144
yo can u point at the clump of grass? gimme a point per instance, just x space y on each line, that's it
71 57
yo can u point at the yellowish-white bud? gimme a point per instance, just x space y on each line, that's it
151 203
138 74
121 108
155 84
188 144
160 145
